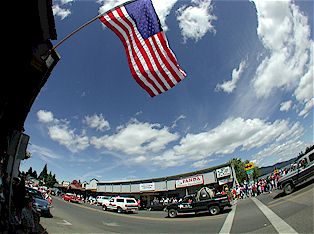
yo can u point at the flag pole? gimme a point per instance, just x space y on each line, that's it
86 24
76 30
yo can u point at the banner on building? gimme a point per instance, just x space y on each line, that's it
222 172
190 181
147 187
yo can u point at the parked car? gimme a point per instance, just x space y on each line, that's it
123 204
40 204
100 200
303 173
70 197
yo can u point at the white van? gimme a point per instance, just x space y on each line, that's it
100 200
122 204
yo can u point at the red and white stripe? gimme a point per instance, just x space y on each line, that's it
151 61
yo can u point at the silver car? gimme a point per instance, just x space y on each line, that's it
40 204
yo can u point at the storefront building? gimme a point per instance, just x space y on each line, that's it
172 186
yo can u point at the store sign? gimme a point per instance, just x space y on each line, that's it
249 166
249 172
222 172
190 181
225 181
147 187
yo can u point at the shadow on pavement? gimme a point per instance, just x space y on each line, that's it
201 214
282 194
42 230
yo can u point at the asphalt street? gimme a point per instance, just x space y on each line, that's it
267 213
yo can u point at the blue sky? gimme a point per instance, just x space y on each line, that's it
248 92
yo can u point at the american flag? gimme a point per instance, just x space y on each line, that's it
152 63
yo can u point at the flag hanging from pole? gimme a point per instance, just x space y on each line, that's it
152 63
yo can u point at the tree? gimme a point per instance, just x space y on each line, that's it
30 171
34 175
47 178
43 174
239 169
256 172
50 180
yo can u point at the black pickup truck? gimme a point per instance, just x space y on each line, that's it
190 204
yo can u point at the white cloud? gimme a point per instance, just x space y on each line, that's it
229 86
174 124
232 134
285 33
58 130
97 121
108 4
63 2
43 152
136 138
61 12
64 136
294 132
162 7
44 116
307 108
284 151
285 106
202 163
138 160
305 90
195 21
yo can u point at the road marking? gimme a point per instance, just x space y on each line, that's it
111 224
278 223
226 228
65 223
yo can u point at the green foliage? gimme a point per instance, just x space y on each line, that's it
34 174
256 172
43 174
48 179
30 171
239 169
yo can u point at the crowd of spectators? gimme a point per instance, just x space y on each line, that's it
20 217
262 185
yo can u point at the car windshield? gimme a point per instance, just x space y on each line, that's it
35 193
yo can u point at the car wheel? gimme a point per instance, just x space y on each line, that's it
104 207
288 188
120 210
213 210
172 213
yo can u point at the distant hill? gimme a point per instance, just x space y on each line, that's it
270 169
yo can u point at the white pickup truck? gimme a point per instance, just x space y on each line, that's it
303 173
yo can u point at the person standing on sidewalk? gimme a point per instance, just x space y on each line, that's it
27 217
